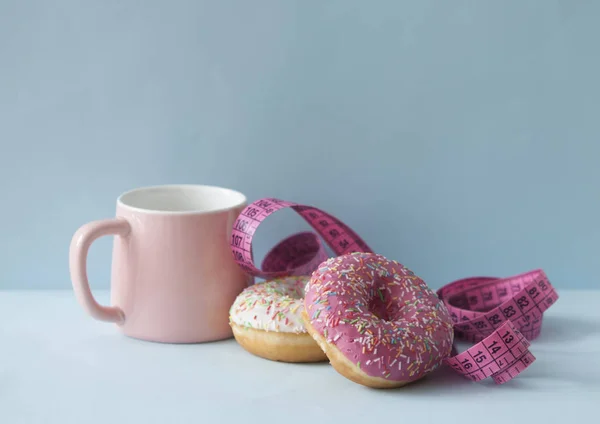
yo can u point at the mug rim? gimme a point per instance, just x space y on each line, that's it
123 204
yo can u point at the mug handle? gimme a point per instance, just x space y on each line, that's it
80 244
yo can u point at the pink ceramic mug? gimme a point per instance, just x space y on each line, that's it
173 274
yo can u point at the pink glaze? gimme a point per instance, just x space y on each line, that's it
381 317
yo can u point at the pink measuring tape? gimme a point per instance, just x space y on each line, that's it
500 315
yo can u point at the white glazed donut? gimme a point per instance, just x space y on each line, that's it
266 319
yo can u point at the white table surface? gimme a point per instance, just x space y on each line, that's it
59 366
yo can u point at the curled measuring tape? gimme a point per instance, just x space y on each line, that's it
299 254
500 315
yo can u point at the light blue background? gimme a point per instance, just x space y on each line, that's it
458 137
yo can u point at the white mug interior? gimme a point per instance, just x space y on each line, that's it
182 199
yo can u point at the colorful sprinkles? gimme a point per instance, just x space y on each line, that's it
274 305
380 315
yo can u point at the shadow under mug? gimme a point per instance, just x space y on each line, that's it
173 275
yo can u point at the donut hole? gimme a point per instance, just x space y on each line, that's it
380 303
378 308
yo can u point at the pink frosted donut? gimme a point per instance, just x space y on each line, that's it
378 323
